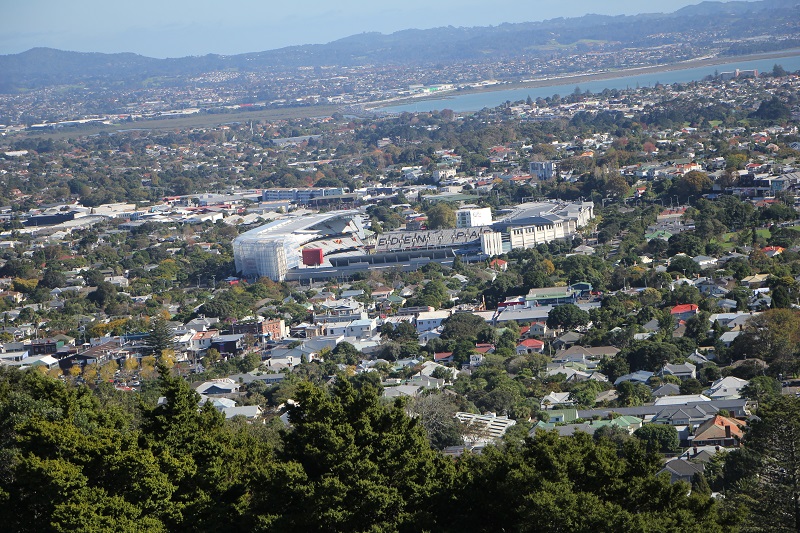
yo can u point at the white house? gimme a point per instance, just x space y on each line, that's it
362 328
428 320
728 388
556 398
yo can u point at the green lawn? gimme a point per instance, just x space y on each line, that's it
727 240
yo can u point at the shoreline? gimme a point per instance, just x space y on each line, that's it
583 78
214 119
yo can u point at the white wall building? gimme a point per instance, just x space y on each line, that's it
492 243
429 320
271 250
544 170
471 217
538 223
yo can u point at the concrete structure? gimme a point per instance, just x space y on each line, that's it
484 428
301 195
531 224
492 243
544 170
271 250
470 217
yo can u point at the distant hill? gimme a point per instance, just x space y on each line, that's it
41 67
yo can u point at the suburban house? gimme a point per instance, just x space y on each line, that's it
551 296
274 329
202 340
538 329
684 311
727 388
640 376
218 386
228 344
704 261
443 357
498 264
428 320
681 414
556 398
719 431
755 281
250 412
667 389
529 346
682 470
682 371
628 423
362 328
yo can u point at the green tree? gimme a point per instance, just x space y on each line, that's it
161 336
693 184
773 336
683 264
649 355
772 109
761 388
568 316
658 438
351 464
104 294
551 483
781 299
200 456
465 326
53 278
441 216
771 487
614 367
630 394
346 354
691 386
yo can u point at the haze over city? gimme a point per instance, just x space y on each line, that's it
183 28
528 267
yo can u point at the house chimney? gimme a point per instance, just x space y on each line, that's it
694 449
727 432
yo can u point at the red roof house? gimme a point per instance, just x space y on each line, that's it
684 311
529 346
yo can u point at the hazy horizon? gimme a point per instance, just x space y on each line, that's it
181 28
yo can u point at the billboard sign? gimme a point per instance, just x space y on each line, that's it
397 241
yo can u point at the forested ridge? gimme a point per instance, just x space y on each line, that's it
74 459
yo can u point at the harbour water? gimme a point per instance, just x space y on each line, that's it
475 101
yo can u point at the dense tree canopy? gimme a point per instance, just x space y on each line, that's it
77 460
567 316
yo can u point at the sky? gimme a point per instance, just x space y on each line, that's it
177 28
